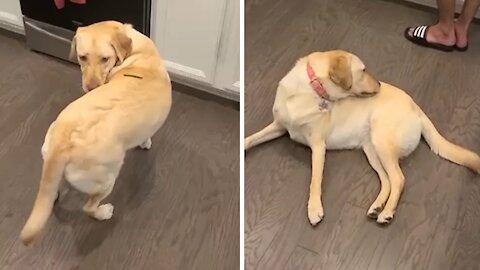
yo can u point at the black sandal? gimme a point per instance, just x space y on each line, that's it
419 36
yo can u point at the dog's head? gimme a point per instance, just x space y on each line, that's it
98 48
346 76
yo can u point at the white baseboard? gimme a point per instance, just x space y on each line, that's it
185 71
235 87
224 93
11 22
196 78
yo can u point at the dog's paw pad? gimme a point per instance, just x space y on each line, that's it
146 145
315 219
104 212
315 215
373 212
384 218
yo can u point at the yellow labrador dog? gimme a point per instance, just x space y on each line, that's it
328 101
129 102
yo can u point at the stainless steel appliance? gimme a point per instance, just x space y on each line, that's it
51 24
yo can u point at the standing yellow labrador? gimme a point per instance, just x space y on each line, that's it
86 144
329 101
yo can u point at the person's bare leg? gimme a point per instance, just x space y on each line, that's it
443 31
469 10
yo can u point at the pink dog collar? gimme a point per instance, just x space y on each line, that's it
325 102
315 83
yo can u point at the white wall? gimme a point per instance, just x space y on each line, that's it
199 41
227 74
11 15
187 34
433 3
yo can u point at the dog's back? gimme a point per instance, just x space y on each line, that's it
88 140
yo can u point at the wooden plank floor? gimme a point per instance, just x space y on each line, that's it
436 226
176 205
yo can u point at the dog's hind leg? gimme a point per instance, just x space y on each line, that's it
379 203
107 179
270 132
93 207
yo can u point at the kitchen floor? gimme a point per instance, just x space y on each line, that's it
176 205
436 225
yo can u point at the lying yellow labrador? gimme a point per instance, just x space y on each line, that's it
86 144
329 101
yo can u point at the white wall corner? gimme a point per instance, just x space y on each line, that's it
11 22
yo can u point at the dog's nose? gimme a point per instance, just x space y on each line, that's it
90 86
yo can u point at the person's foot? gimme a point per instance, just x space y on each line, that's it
438 34
461 34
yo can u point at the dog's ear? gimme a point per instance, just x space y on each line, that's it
73 45
122 44
73 49
340 72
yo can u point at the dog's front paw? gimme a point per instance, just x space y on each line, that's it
385 217
147 144
315 211
104 212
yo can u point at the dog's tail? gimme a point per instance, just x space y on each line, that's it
446 149
52 174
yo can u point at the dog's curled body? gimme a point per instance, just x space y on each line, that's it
376 117
350 122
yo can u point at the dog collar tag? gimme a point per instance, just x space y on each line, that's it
324 105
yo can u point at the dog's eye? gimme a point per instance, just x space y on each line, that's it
82 58
364 70
104 59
